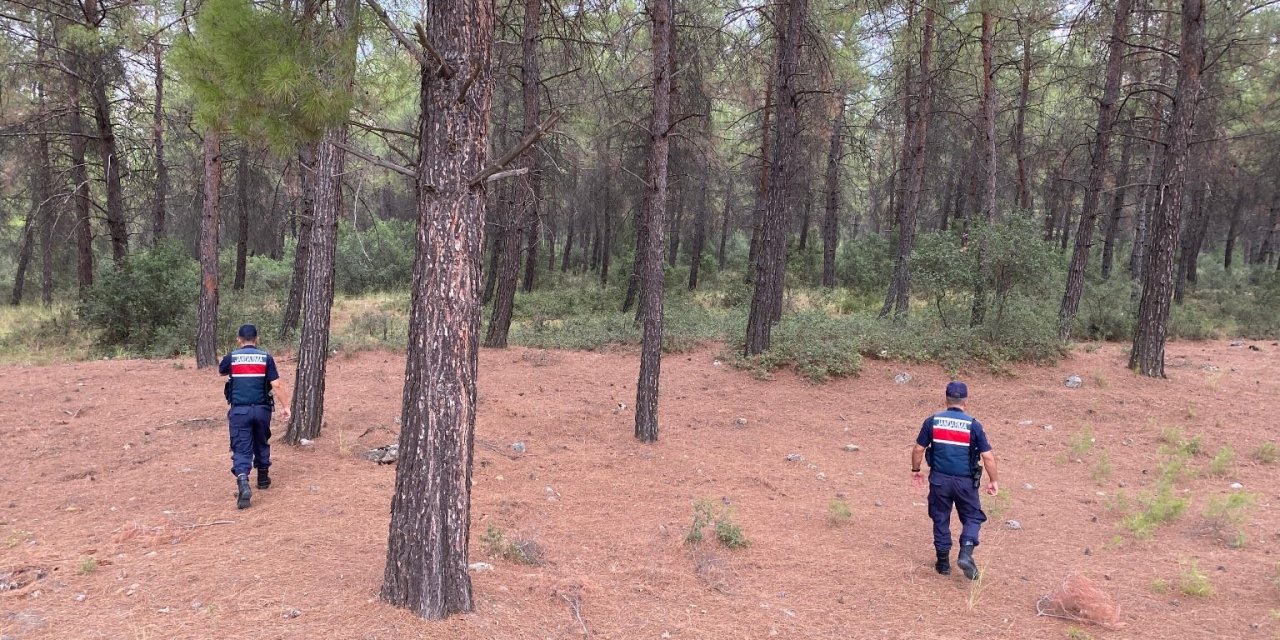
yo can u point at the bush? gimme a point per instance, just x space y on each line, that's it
816 344
145 301
379 258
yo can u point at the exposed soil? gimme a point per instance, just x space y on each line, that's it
126 462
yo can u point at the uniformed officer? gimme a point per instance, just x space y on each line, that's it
248 390
954 442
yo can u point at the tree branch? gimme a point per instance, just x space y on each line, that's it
399 35
376 161
527 142
443 71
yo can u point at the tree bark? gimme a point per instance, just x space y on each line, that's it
699 242
160 195
507 275
831 221
242 211
1155 156
80 188
1112 234
721 255
762 187
427 547
566 256
637 263
24 255
1151 332
207 309
530 82
1233 228
116 223
317 290
766 300
306 214
1097 169
1020 125
988 206
655 211
898 299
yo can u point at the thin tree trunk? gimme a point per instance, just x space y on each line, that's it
530 81
721 255
1233 228
766 300
507 276
80 187
491 271
242 222
302 251
1152 327
606 229
988 205
207 309
1155 156
427 547
699 231
637 263
762 187
831 221
1020 126
1194 228
160 196
116 224
1097 170
24 254
1112 234
898 299
317 291
566 256
677 222
655 211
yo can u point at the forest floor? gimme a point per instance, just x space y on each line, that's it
117 518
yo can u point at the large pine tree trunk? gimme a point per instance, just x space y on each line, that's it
1155 151
766 299
80 188
1151 332
655 212
160 194
831 220
1097 170
426 567
242 212
305 215
207 309
317 291
919 89
762 186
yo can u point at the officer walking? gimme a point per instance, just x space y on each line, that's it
953 442
248 390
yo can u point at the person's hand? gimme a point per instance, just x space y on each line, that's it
917 479
286 414
993 488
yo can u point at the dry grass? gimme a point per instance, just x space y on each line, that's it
1081 600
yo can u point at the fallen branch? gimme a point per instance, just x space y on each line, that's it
527 142
375 160
575 605
399 35
209 524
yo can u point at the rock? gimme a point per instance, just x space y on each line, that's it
1074 382
1013 525
480 566
879 504
1027 422
795 457
80 597
741 422
1028 486
383 455
1237 486
305 442
1048 427
1254 347
1238 343
519 447
852 447
821 476
292 613
902 378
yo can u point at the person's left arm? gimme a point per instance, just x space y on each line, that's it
279 389
917 452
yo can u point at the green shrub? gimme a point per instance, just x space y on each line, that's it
839 512
498 545
1265 453
1195 582
379 258
1220 466
707 513
149 296
1226 516
816 344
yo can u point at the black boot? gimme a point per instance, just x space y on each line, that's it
243 494
264 480
966 562
944 563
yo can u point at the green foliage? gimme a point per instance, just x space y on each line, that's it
1220 465
1265 453
1076 633
1082 442
88 565
1102 468
379 258
1177 445
146 303
816 344
498 545
1194 582
707 513
252 69
839 512
1226 516
1157 508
